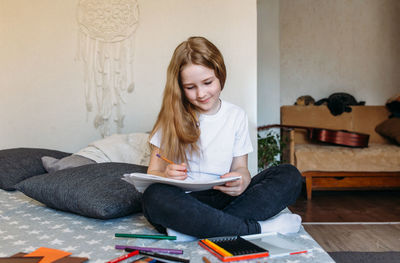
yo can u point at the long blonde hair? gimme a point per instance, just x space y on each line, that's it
177 119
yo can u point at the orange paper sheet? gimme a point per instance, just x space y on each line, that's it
49 254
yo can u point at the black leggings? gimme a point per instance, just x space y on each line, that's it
212 213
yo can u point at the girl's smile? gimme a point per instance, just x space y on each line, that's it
201 87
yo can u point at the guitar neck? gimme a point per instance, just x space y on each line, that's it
339 137
266 127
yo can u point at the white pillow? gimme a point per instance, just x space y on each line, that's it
123 148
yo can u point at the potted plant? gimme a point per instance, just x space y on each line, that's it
270 148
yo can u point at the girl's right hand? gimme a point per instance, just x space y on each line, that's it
176 171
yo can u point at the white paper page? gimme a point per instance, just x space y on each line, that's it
141 181
277 244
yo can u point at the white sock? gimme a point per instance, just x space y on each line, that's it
179 236
283 223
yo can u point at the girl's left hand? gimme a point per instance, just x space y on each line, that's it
233 188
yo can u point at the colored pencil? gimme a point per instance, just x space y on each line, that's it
123 257
165 159
152 249
145 236
156 255
217 248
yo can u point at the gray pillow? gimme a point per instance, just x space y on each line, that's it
93 190
53 164
18 164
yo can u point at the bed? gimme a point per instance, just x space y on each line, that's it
64 218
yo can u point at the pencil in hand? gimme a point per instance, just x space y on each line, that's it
165 159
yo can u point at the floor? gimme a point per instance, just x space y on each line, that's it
366 238
352 220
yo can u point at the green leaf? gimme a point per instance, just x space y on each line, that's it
270 148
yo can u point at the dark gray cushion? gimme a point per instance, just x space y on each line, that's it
18 164
93 190
53 164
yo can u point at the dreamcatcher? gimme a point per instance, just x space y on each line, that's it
106 48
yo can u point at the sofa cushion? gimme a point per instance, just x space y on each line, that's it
375 158
18 164
390 128
93 190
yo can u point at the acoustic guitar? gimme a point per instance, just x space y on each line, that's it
337 137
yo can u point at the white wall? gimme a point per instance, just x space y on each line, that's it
268 81
340 46
326 46
42 96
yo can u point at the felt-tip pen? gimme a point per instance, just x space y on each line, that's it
145 236
152 249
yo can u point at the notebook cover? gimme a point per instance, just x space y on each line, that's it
20 260
19 254
219 251
71 260
49 254
68 259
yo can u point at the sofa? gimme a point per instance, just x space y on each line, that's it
326 166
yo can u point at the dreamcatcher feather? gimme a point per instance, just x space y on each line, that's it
106 47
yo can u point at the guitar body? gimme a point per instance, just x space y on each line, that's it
340 137
337 137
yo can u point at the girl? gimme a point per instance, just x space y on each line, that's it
207 137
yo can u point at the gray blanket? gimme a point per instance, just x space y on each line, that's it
26 225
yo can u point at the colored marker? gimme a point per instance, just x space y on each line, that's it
123 257
152 249
145 236
156 255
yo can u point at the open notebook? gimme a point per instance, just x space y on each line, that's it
141 181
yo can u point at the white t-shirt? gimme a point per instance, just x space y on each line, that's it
223 136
